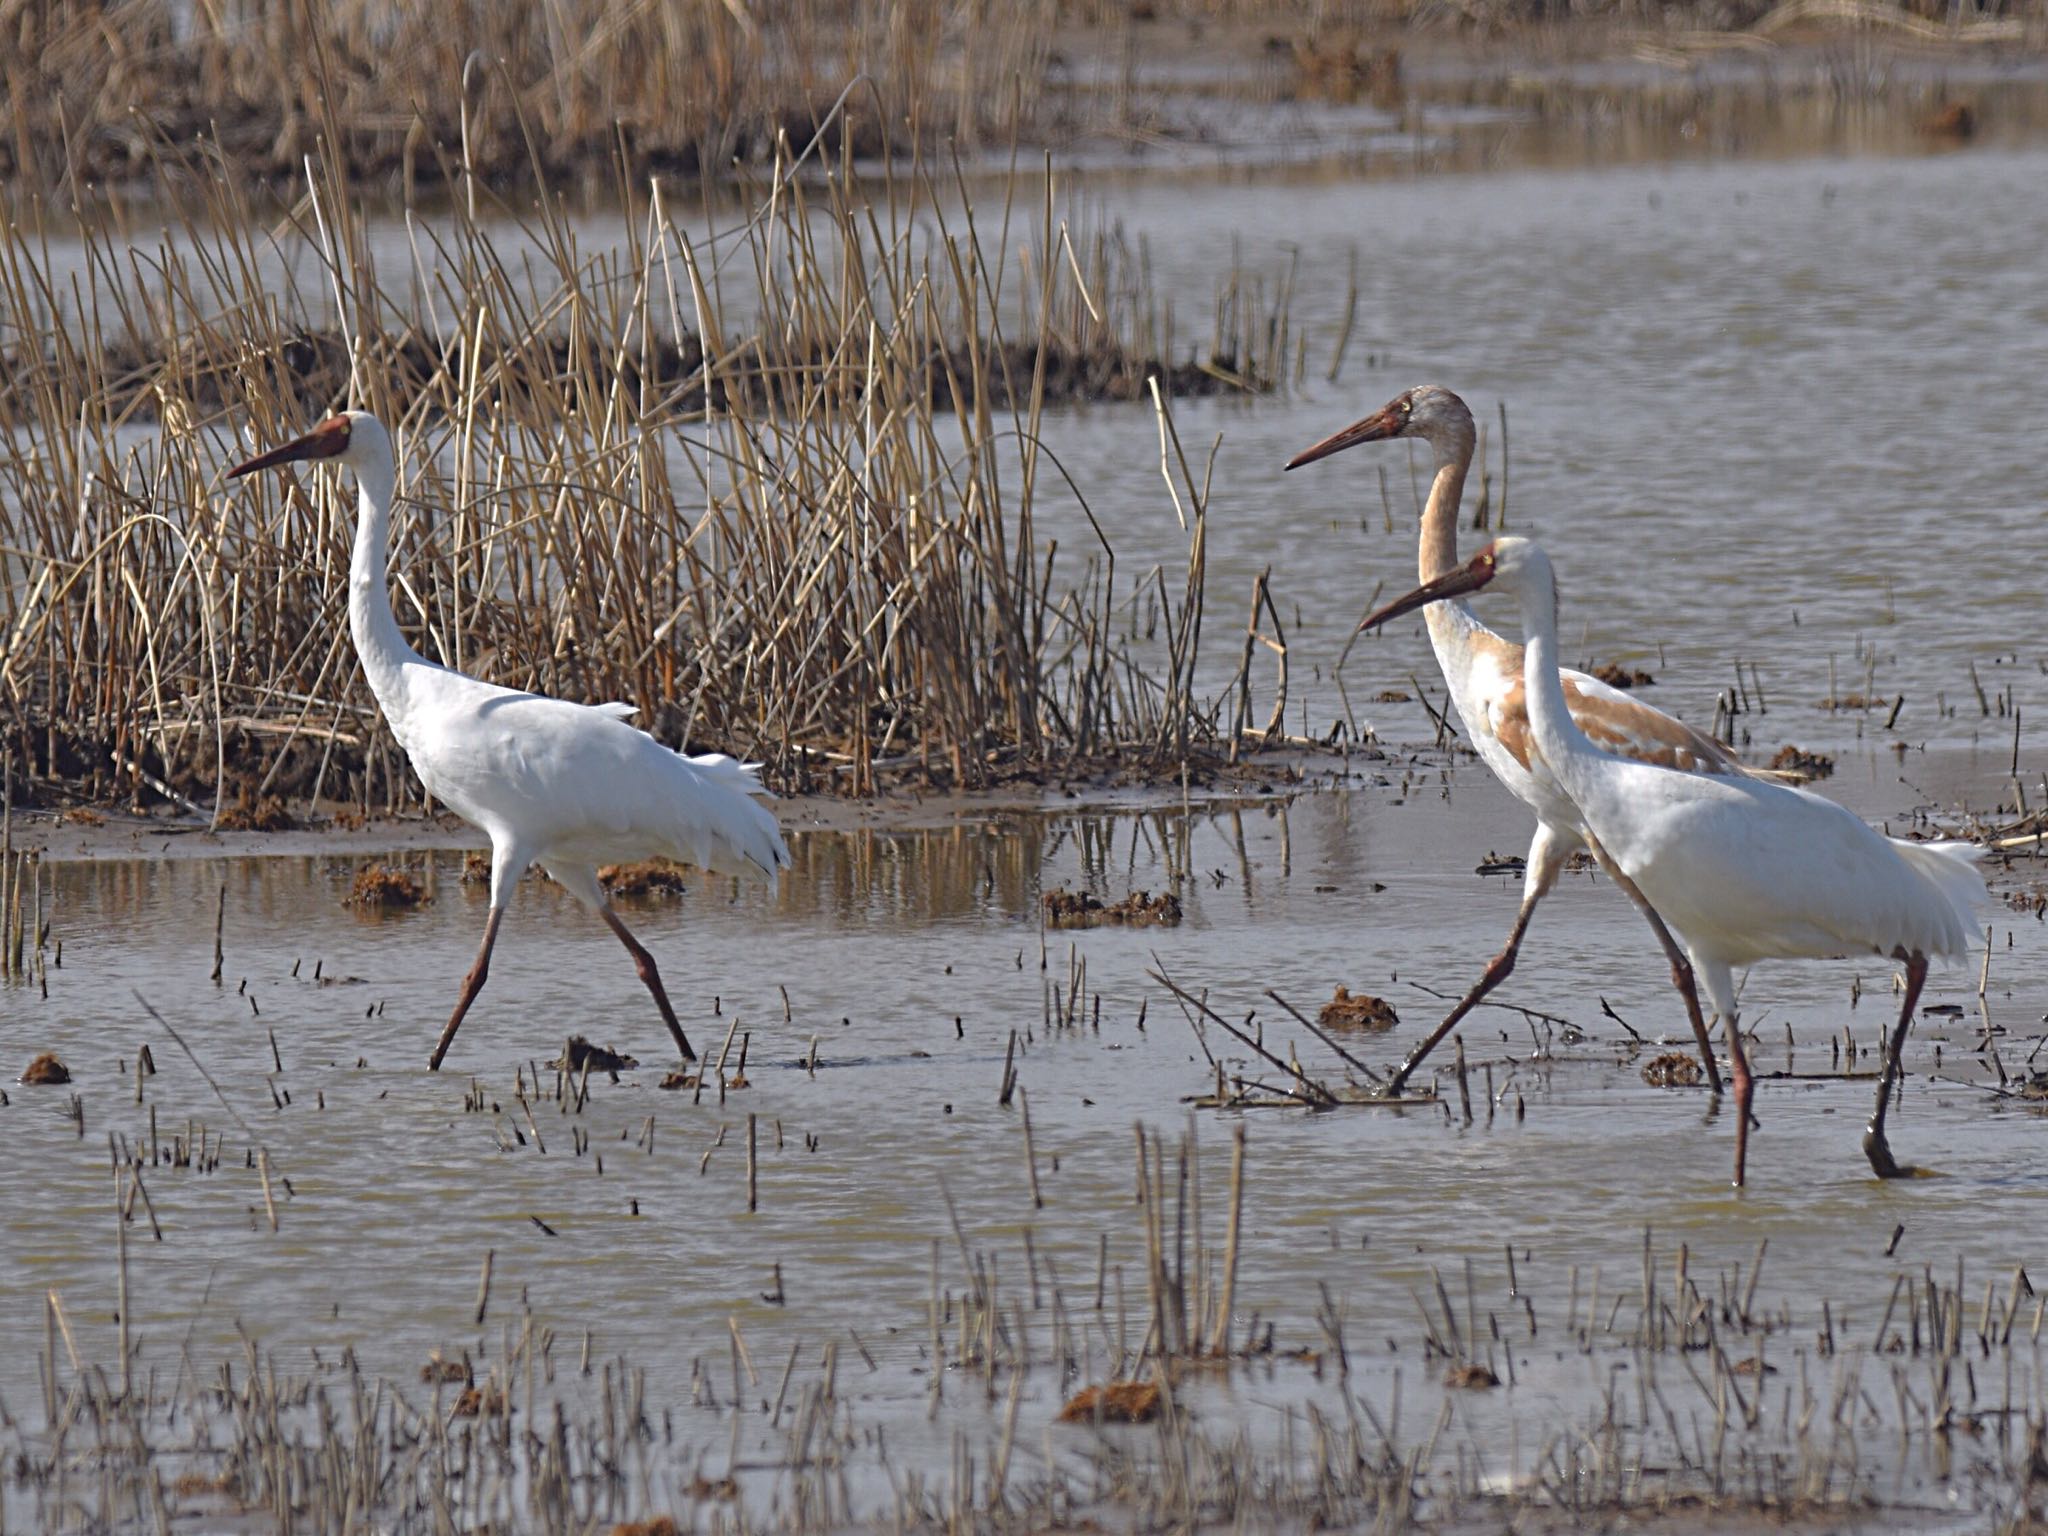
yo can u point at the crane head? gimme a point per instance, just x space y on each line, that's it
1503 557
1428 411
329 440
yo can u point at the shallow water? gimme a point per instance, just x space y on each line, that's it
1781 413
391 1188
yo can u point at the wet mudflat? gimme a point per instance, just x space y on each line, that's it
902 1214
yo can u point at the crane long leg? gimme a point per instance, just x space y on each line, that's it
1744 1086
472 984
1681 967
1875 1147
1497 971
643 962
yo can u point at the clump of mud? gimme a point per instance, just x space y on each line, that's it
1392 696
1617 676
1357 1010
1470 1377
647 877
1140 909
1812 765
46 1071
256 813
1675 1070
579 1054
378 889
1116 1402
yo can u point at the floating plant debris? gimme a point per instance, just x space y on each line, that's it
1078 909
1470 1377
1812 765
1357 1010
46 1071
579 1055
1116 1402
379 889
1615 675
646 877
1674 1070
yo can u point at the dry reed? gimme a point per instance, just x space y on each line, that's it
775 484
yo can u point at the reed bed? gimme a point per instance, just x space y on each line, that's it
772 479
407 96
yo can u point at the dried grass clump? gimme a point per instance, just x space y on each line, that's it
1470 1377
377 889
1140 909
782 491
1349 1010
440 1368
1674 1070
1116 1402
46 1071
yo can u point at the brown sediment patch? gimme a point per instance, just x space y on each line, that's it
378 889
1357 1010
1614 675
644 878
255 813
1140 909
46 1071
1673 1070
1115 1402
578 1055
1812 765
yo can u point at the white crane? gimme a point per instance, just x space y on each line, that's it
1483 672
566 786
1744 870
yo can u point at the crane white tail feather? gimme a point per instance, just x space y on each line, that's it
1951 868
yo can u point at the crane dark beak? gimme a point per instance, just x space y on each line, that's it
1469 577
1380 425
326 441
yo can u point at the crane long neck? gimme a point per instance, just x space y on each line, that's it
373 626
1437 552
1565 748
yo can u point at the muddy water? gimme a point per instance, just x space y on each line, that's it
907 958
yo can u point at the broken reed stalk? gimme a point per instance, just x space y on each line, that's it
796 518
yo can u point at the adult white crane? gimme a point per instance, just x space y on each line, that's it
1483 672
566 786
1744 870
